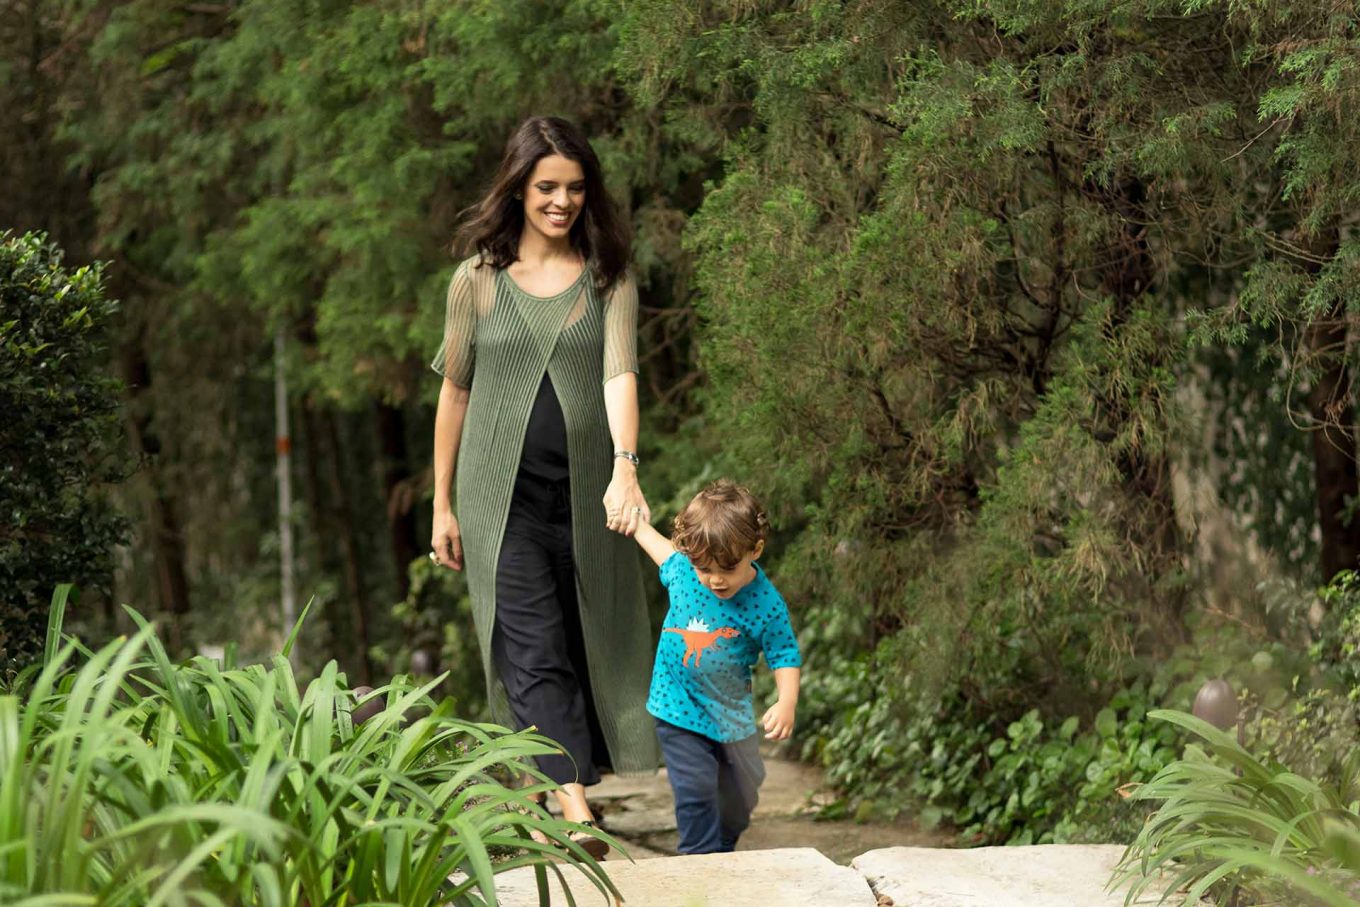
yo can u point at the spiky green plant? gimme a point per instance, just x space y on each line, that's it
1233 825
132 780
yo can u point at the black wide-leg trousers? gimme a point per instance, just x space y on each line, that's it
537 644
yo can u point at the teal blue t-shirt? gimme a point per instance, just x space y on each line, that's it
702 677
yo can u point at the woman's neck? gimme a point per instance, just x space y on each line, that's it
535 249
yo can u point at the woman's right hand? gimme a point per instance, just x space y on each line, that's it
446 540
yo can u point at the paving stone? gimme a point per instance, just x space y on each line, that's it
758 878
1049 875
639 822
636 851
621 787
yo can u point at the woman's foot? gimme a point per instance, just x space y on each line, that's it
540 800
572 799
589 843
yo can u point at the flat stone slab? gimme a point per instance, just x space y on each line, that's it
1045 875
753 878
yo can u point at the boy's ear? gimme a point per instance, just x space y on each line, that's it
760 549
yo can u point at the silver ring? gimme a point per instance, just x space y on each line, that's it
434 559
637 509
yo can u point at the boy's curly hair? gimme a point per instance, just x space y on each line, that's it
720 525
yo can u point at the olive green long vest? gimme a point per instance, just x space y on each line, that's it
498 341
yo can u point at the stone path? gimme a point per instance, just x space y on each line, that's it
789 858
1048 875
1043 876
641 812
757 878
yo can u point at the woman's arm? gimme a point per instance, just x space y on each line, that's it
446 539
624 505
657 546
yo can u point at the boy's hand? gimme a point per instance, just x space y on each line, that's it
778 720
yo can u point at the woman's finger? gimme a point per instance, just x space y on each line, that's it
456 552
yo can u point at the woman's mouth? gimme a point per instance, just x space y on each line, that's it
557 218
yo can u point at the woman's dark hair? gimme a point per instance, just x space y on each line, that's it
493 226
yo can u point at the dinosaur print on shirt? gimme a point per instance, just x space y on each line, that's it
698 637
701 679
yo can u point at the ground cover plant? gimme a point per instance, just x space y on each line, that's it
129 779
1245 828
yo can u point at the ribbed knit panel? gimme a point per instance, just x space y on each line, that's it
516 338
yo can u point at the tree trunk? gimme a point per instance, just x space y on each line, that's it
343 520
397 492
164 535
1332 407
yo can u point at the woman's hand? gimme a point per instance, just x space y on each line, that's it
446 540
624 505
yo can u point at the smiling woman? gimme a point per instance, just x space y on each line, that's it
539 363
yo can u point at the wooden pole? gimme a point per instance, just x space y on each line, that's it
283 449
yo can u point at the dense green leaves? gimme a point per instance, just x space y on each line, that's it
60 440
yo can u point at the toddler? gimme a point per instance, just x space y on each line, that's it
723 613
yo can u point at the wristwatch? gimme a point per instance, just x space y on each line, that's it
627 455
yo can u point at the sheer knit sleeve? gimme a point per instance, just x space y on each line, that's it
620 328
455 357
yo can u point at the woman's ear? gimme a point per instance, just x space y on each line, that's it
759 550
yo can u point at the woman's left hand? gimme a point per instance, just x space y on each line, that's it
625 508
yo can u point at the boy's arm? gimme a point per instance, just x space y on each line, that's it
657 546
778 718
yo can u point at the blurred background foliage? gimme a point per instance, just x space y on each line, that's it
1030 322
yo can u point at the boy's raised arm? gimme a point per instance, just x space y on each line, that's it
657 546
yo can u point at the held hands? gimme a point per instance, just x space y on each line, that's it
778 720
624 506
446 540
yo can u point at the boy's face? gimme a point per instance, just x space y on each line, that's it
727 583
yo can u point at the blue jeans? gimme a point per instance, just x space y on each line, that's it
716 786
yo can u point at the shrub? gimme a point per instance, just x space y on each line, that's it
1037 781
129 780
58 440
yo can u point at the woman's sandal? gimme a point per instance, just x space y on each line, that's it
589 843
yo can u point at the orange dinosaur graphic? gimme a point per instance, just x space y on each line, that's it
698 637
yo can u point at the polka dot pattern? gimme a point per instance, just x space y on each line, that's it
702 680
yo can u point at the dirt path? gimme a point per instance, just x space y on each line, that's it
641 812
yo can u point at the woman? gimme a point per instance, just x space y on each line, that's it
539 412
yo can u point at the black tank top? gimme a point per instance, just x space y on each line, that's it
545 439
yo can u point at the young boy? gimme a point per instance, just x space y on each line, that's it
723 613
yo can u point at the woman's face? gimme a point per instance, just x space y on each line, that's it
554 196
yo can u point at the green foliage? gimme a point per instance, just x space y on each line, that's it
938 279
60 441
1031 782
126 779
436 620
1337 647
1231 821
